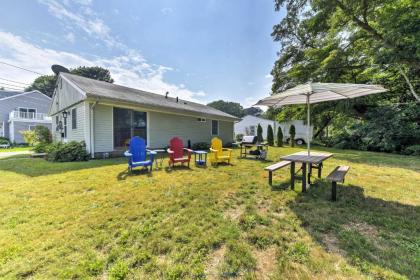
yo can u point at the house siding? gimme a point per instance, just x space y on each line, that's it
77 134
103 128
33 99
65 96
162 127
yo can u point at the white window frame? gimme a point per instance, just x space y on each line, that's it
212 121
27 111
202 120
73 112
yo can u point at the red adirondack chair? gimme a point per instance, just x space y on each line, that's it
176 152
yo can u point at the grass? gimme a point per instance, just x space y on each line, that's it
15 149
94 220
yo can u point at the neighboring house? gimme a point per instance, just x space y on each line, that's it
106 116
22 111
248 126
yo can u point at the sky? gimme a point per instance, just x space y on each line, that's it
198 50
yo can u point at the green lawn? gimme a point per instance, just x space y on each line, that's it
93 220
15 149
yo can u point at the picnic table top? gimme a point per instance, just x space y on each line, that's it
315 157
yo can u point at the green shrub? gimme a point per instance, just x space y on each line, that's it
413 150
72 151
270 135
42 134
260 138
279 138
41 147
4 141
292 133
201 146
29 137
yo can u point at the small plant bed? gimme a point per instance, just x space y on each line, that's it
94 220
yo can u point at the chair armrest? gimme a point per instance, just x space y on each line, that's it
151 152
189 150
213 150
169 151
128 154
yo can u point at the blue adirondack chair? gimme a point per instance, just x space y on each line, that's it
137 154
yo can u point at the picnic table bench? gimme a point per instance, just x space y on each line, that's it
337 175
275 167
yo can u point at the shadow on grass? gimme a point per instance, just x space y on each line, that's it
135 172
177 167
374 158
368 232
35 167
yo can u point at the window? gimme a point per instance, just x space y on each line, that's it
128 123
214 127
27 113
201 119
73 118
252 130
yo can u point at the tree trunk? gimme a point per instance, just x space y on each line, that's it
410 86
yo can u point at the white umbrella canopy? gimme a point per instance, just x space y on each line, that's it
311 93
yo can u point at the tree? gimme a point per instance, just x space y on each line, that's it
233 108
46 83
260 138
279 137
253 111
270 135
292 133
345 41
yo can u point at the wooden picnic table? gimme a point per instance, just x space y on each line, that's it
313 161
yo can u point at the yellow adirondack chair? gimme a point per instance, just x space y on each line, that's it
218 153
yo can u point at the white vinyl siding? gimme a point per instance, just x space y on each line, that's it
162 127
72 134
103 128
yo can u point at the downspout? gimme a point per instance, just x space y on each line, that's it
92 134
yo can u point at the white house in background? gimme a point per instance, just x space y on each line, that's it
21 111
248 126
106 116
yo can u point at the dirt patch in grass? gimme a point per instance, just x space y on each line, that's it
266 262
234 213
214 262
364 229
331 243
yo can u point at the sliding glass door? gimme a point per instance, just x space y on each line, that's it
128 123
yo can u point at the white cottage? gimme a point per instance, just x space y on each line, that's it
106 116
248 126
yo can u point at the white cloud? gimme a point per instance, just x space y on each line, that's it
70 37
131 70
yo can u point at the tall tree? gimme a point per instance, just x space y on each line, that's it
253 111
260 137
46 83
270 135
232 108
279 137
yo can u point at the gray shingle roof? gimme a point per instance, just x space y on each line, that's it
100 89
6 93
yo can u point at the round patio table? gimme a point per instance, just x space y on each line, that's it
202 158
161 154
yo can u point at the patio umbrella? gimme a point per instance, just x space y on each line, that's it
318 92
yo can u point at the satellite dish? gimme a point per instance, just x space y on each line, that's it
58 68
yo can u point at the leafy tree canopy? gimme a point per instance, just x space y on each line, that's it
46 83
351 41
232 108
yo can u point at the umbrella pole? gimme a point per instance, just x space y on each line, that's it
308 139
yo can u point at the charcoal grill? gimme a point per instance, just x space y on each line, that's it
251 147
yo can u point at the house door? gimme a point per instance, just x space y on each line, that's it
128 123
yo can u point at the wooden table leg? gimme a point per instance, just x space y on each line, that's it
309 172
292 175
303 177
319 170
